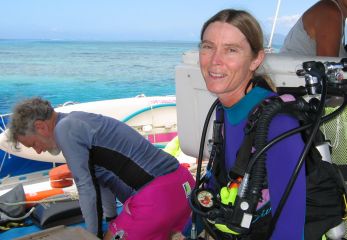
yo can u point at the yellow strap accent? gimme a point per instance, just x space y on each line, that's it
228 195
224 228
345 201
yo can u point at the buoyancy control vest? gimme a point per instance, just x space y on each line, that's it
324 184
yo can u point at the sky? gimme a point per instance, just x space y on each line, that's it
132 20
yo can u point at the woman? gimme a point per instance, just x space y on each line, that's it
230 52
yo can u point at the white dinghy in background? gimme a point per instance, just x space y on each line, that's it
153 117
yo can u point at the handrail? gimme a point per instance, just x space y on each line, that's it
138 112
3 122
149 109
3 130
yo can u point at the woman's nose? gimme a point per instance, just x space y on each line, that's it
217 57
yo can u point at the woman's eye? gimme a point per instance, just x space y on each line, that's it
206 46
231 50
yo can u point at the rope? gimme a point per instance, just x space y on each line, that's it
4 216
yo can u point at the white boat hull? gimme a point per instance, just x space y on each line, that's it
152 117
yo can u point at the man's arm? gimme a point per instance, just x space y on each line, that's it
324 24
73 139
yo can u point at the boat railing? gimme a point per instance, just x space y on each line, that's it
3 122
2 129
68 103
138 112
149 128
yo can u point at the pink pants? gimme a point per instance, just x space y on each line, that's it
157 210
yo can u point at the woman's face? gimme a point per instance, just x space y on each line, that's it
227 62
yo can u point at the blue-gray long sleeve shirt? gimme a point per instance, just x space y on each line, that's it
123 160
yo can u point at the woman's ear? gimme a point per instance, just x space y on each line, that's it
257 61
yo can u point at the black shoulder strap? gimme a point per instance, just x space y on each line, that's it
245 151
243 156
218 167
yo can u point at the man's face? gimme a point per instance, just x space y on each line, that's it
39 143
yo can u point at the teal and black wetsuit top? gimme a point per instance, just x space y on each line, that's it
122 160
280 163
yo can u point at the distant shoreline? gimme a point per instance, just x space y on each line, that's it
276 43
276 46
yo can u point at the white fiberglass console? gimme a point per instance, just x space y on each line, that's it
193 100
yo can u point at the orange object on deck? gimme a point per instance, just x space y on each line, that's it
37 196
186 165
60 177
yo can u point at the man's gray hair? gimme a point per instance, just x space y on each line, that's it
24 115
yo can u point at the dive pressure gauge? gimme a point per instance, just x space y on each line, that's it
205 198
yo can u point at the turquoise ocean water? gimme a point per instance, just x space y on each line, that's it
86 71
